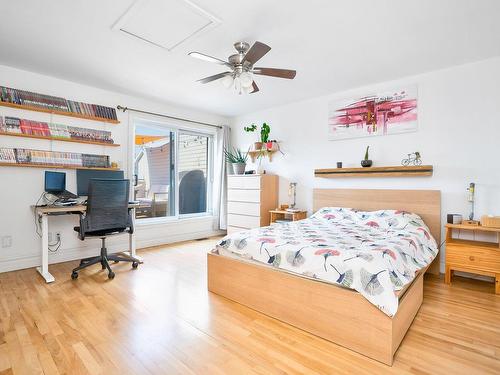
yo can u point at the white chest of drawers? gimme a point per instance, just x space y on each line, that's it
250 198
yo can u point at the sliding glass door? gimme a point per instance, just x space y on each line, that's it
172 171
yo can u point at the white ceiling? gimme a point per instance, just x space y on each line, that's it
334 45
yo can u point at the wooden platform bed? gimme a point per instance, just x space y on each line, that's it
337 314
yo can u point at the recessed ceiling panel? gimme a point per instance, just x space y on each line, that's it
165 23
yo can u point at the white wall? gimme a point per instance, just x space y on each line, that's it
459 133
21 187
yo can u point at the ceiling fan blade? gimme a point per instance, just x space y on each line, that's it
214 77
256 52
255 87
280 73
204 57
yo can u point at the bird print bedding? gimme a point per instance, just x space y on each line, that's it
375 253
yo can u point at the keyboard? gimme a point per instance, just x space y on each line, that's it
65 195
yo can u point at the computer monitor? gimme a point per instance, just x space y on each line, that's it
83 177
55 182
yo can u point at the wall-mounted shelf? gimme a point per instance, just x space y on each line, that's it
61 113
52 166
254 154
60 139
421 170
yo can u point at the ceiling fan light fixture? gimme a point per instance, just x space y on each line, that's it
246 79
227 81
237 84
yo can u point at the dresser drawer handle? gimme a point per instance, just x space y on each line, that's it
471 258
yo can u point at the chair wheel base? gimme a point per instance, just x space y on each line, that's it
135 265
74 275
111 275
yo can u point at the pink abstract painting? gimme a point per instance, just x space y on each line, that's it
390 112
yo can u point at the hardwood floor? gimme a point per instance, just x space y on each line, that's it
160 319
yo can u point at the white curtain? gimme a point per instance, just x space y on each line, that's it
220 178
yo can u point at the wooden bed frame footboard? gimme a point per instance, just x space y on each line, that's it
331 312
337 314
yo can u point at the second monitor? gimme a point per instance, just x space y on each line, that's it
83 177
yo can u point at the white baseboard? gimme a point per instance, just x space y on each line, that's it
91 248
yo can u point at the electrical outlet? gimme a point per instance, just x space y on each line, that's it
54 237
6 242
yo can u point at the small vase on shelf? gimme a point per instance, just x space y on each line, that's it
366 162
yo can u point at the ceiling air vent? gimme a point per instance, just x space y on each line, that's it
165 23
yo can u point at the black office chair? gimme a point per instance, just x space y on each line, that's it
107 214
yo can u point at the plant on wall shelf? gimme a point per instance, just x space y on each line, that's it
265 130
366 162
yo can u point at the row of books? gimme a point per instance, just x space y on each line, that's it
57 158
38 128
28 98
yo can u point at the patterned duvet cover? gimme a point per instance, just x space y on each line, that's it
375 253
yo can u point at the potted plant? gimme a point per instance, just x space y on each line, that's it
264 134
237 159
366 162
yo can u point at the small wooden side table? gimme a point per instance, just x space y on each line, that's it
283 215
472 256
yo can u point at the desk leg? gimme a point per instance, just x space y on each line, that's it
131 242
44 269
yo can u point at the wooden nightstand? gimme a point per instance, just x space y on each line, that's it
284 215
478 257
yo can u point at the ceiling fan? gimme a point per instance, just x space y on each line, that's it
241 67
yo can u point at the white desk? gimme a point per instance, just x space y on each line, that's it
45 211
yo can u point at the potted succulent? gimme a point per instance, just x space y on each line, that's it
237 159
366 162
264 134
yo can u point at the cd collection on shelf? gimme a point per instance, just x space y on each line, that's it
56 158
22 126
54 103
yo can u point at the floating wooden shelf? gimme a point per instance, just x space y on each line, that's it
55 112
254 154
60 139
52 166
421 170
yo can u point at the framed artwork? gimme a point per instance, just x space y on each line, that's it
390 112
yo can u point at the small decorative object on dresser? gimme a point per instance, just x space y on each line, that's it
472 256
237 159
339 164
413 159
366 162
249 200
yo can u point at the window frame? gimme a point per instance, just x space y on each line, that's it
178 128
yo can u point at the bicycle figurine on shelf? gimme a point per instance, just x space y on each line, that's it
413 159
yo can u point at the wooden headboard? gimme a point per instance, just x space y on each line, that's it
425 203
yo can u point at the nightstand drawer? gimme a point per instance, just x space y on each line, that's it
473 257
